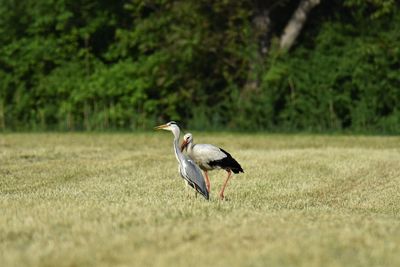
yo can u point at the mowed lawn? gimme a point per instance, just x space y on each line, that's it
118 200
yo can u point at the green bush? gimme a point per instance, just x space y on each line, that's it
99 65
348 79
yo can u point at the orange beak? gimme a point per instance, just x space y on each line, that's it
184 144
160 127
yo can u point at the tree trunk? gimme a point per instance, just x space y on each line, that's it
261 30
2 117
86 116
296 23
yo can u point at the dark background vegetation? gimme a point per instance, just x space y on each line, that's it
105 65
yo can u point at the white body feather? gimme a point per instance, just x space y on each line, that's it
203 154
209 157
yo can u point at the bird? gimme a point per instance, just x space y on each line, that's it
188 170
210 157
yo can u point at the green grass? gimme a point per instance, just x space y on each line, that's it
117 200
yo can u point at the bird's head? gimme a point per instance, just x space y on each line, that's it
170 126
187 139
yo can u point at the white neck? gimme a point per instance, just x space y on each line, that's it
178 154
190 147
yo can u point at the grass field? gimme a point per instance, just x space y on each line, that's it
117 200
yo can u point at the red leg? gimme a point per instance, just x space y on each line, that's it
221 194
207 181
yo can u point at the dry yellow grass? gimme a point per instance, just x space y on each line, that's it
117 200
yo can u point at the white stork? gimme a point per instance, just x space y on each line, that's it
210 157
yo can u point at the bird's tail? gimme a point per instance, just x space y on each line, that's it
202 191
237 170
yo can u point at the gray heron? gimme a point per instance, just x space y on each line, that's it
189 171
210 157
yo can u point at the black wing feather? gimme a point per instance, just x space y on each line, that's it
227 163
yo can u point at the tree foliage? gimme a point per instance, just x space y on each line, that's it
70 65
